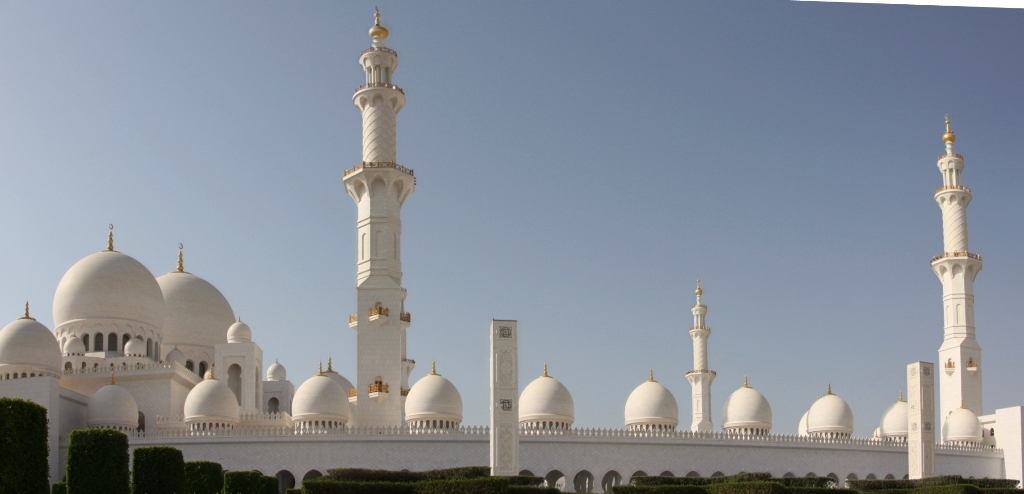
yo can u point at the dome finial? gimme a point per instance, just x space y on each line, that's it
212 375
745 383
949 136
545 374
829 389
650 379
320 368
699 291
901 395
377 31
110 238
330 366
26 316
433 368
112 382
181 258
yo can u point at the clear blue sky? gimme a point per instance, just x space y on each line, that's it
579 164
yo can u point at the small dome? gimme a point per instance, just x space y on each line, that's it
27 343
961 426
198 315
433 398
74 346
894 420
276 372
112 406
651 406
109 285
211 402
801 428
546 401
176 355
320 399
746 409
135 348
239 332
378 31
830 415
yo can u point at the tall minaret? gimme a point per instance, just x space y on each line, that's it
379 187
956 267
700 377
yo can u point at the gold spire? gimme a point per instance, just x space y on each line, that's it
545 374
181 259
26 316
698 291
829 389
377 31
320 368
112 382
330 367
745 384
949 136
961 402
901 395
433 368
212 375
651 378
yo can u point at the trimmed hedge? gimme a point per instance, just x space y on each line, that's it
892 485
947 489
658 489
59 488
477 485
821 490
747 488
23 440
803 482
329 486
1000 490
158 470
203 477
98 462
530 489
370 475
243 482
808 483
270 485
293 491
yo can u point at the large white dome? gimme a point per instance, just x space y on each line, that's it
211 402
112 287
433 398
112 406
961 426
546 403
747 410
28 346
198 315
320 399
651 406
830 415
894 420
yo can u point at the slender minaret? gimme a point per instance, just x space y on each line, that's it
379 187
956 267
700 377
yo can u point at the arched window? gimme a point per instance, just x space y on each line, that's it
142 422
149 347
156 350
85 339
190 365
611 479
112 342
285 480
98 342
67 366
273 405
235 381
583 482
125 339
202 369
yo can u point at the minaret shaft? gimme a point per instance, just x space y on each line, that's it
700 377
960 354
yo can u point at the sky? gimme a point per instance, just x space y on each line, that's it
578 165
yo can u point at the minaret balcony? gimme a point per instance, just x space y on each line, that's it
971 365
378 391
950 155
353 321
379 164
700 328
701 371
953 187
950 367
379 48
956 254
379 315
379 84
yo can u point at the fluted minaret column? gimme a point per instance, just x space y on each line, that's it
700 377
956 267
379 187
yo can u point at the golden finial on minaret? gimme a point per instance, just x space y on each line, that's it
112 382
212 374
181 259
330 367
901 395
26 316
433 368
320 369
110 238
698 291
650 378
745 383
829 389
949 136
377 31
545 374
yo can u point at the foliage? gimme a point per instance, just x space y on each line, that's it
293 491
747 488
528 489
892 486
23 435
476 485
947 489
807 482
324 485
203 477
369 475
59 488
98 462
270 485
659 489
158 470
820 490
243 482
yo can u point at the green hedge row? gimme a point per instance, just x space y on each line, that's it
158 470
203 477
23 440
477 485
59 488
369 475
659 489
944 480
249 482
804 482
98 462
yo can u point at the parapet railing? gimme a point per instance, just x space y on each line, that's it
378 164
956 253
379 48
124 367
380 84
953 187
950 155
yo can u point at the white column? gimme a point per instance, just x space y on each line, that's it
504 398
700 377
921 420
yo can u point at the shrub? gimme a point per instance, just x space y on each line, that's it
23 435
329 486
59 488
203 477
525 480
946 489
293 491
97 462
659 489
747 488
369 475
1000 490
820 490
807 482
158 470
270 485
243 482
528 489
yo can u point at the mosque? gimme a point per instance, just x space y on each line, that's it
165 360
